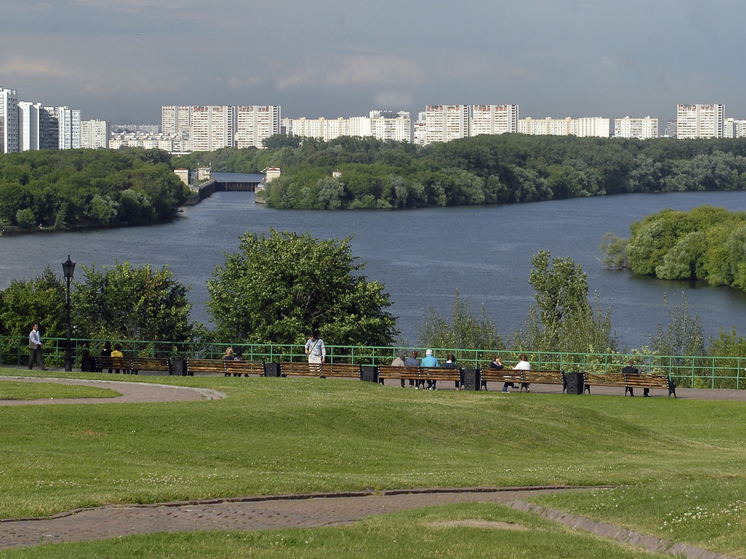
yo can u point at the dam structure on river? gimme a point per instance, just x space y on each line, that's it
225 182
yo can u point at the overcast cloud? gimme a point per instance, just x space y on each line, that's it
121 61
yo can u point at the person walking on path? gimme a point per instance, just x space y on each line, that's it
523 365
34 346
430 361
316 351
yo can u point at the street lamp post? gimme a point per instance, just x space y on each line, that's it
68 269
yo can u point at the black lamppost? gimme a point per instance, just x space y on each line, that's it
68 269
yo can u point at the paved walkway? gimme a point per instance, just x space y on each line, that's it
301 511
131 392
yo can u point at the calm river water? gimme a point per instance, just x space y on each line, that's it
422 256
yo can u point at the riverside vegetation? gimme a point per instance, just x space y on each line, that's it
677 465
502 169
73 189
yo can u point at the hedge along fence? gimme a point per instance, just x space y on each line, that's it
686 371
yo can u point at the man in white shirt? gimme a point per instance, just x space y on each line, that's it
315 349
34 346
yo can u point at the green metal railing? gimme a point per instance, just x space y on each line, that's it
687 371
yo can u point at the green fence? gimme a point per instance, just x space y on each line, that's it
687 371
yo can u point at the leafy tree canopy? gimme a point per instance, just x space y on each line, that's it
279 287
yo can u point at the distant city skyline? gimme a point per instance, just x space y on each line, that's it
121 61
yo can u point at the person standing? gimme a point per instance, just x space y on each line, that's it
412 361
315 350
430 361
34 346
523 365
630 369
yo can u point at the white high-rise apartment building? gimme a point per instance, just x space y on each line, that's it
700 121
390 125
359 126
256 123
734 128
584 127
545 126
176 120
29 126
640 128
68 126
446 123
212 127
94 134
493 119
419 135
8 121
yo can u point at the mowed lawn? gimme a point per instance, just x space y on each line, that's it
678 464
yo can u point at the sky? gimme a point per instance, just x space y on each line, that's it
122 60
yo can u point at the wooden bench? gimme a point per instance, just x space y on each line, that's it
525 378
629 382
400 373
123 364
237 368
151 364
205 366
300 369
419 374
340 370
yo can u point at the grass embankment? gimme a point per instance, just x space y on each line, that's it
18 390
295 435
449 531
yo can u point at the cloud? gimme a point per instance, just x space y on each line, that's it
244 83
20 67
353 70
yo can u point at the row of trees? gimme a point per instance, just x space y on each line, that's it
502 169
88 188
705 243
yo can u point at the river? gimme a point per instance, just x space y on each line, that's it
422 256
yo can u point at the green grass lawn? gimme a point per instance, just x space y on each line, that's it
448 531
12 390
294 435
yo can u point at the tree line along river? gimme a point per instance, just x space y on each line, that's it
422 256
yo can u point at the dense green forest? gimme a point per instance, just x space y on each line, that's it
88 188
705 243
502 169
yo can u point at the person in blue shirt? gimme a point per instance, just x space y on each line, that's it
430 361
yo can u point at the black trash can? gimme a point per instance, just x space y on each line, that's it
88 364
470 379
574 383
272 370
369 373
178 367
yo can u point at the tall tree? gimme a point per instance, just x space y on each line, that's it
278 287
138 303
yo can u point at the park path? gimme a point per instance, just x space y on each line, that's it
131 392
